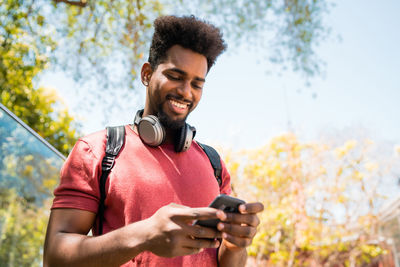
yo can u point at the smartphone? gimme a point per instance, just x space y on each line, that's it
221 202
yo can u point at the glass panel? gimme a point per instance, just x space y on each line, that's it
29 171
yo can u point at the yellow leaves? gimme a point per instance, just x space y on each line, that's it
339 171
23 229
372 250
358 176
397 150
342 199
28 171
315 196
50 183
350 144
369 142
371 166
322 170
343 150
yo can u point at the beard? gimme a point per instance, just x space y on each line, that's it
169 123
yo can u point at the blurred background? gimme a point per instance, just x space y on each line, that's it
303 107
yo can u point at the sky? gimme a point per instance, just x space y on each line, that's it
244 107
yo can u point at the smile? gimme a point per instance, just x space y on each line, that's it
178 105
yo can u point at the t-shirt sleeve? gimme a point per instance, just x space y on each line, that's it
225 187
79 182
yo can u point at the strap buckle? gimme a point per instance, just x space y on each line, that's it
108 162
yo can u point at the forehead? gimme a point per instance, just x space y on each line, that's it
191 62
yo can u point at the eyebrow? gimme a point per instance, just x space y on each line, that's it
184 73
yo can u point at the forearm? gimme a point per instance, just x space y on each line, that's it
231 257
111 249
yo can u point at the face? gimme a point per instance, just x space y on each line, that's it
175 86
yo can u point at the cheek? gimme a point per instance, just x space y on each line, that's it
197 97
154 96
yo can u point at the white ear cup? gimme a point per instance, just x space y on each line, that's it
151 131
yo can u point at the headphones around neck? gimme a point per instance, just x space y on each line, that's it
152 132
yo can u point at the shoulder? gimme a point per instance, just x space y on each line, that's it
95 143
210 152
219 167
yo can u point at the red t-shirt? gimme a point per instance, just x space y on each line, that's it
142 180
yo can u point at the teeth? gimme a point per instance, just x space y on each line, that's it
177 104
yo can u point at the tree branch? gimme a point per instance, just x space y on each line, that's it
80 3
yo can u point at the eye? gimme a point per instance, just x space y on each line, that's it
173 77
197 86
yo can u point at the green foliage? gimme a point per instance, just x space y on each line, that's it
286 32
103 43
25 45
26 179
28 175
40 109
22 229
108 39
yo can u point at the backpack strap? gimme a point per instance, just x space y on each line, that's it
215 160
115 141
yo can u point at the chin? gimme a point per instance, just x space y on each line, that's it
169 122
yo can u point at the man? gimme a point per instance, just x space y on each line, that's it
154 194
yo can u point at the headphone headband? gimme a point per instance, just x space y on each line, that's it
138 116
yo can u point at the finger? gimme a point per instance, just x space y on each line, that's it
201 232
238 241
199 243
237 230
255 207
237 218
195 213
175 205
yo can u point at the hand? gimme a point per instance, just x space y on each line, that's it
239 229
172 233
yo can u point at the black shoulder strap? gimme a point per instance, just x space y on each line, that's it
215 160
115 141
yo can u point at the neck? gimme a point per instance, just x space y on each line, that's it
170 136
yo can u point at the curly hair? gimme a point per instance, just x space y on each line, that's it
189 32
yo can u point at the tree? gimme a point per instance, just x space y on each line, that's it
25 50
102 43
321 200
26 178
109 38
23 230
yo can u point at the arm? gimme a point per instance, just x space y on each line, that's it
168 233
238 231
67 243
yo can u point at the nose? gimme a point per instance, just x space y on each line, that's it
185 90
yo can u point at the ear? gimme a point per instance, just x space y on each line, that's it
145 73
